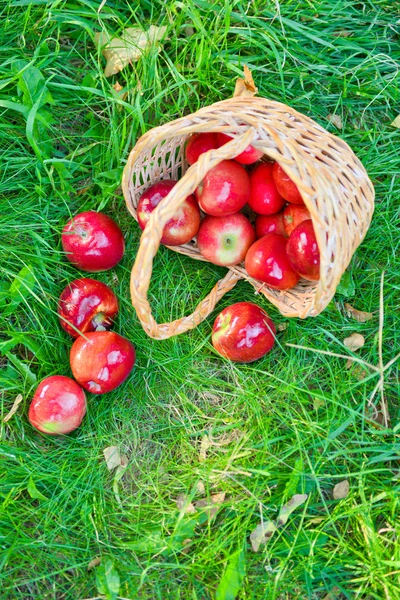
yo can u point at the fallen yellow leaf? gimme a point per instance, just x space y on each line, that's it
358 315
336 120
184 505
205 445
94 563
245 87
354 341
341 490
396 122
112 457
14 408
210 506
124 50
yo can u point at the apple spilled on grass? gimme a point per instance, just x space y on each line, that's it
86 305
93 242
58 405
243 332
101 361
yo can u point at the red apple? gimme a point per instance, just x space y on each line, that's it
58 405
267 261
293 215
225 240
264 196
184 224
224 190
243 332
303 252
199 143
101 360
270 224
286 187
247 157
93 242
88 305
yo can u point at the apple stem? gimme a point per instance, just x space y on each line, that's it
101 322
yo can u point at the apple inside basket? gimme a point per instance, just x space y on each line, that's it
332 182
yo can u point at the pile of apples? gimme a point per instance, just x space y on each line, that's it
273 236
277 243
100 359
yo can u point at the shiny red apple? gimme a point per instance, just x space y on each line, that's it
93 242
247 157
225 240
264 196
86 305
286 187
267 261
224 190
303 252
58 405
270 224
184 224
243 332
293 215
101 360
199 143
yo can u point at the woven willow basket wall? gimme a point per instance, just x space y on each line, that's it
332 181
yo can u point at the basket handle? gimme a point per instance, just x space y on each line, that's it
150 242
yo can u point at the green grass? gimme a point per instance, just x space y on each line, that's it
63 143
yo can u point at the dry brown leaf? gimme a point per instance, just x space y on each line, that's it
341 490
200 487
261 534
210 396
396 122
83 190
14 408
333 594
184 505
189 31
212 505
218 498
336 120
124 50
112 457
94 563
120 92
282 327
205 445
186 545
343 33
318 403
290 506
358 315
354 341
245 87
316 520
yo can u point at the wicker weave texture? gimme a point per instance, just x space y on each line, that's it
334 185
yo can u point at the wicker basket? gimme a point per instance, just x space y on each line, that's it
333 183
